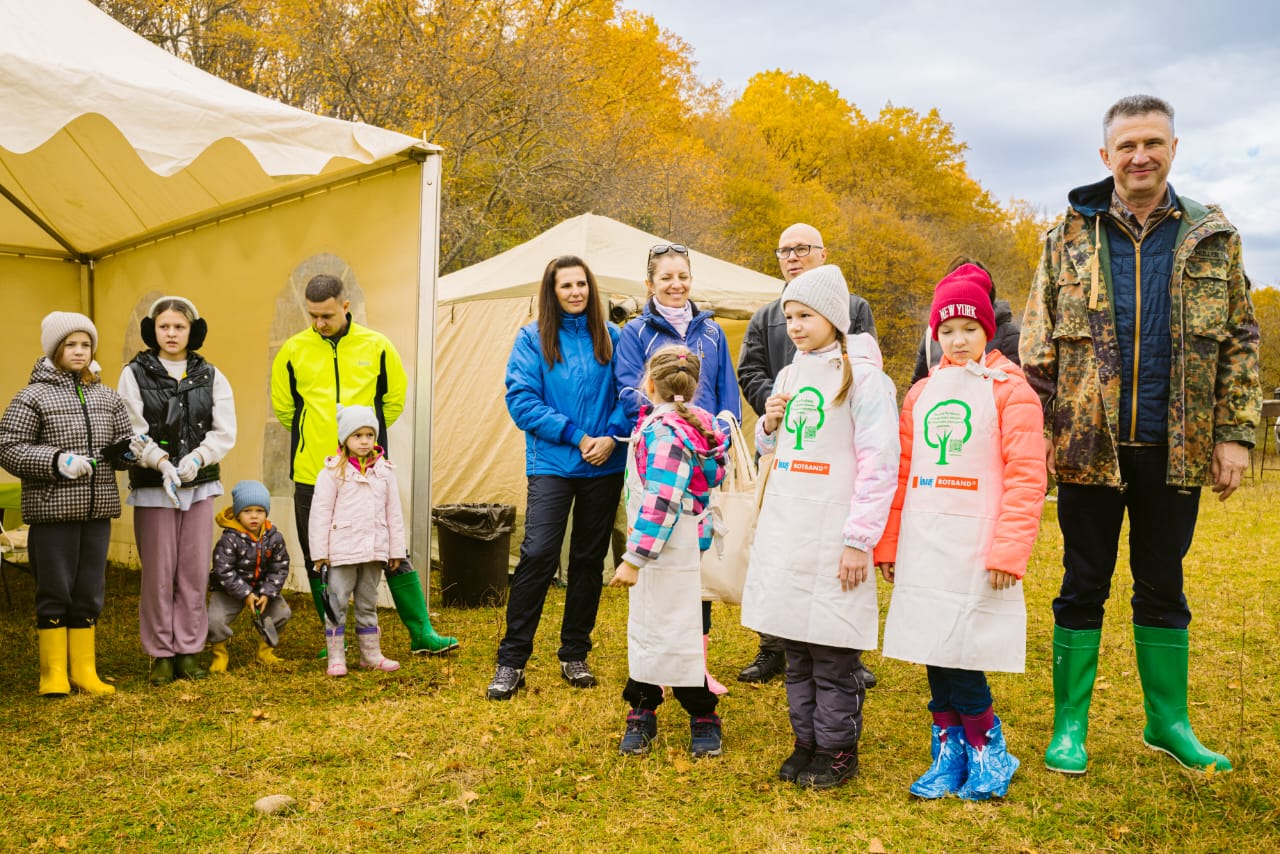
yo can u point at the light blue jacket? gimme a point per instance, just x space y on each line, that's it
559 405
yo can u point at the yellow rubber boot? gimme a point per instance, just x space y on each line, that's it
84 669
267 655
53 663
220 657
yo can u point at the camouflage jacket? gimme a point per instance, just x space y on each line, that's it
1071 355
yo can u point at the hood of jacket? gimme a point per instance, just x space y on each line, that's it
227 519
692 439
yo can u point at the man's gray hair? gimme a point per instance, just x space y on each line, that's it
324 287
1135 105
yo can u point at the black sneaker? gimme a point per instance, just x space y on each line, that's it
642 729
506 681
577 674
798 761
829 768
868 678
767 664
704 736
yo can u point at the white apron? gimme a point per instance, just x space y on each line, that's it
943 611
793 581
664 619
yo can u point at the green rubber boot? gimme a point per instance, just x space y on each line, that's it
1075 664
318 591
411 605
1162 664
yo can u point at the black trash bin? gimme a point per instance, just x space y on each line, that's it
475 541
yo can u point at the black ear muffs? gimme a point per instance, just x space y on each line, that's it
199 331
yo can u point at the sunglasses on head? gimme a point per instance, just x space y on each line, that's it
664 248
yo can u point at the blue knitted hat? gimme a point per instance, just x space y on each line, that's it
250 493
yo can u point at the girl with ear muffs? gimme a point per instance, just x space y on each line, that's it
185 404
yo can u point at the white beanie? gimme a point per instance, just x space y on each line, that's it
352 418
57 325
822 289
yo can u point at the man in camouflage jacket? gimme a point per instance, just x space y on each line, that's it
1140 338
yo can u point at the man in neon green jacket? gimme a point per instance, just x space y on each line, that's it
336 361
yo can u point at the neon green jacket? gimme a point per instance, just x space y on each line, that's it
311 375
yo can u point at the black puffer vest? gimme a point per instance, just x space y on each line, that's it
178 413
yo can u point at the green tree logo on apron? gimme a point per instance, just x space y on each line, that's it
943 423
804 416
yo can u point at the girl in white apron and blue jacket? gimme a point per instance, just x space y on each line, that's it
677 457
967 510
831 424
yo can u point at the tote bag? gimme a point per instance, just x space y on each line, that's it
733 510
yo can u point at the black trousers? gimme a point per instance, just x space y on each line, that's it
698 702
1162 522
825 694
955 690
593 501
69 561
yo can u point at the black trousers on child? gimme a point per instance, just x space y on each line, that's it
698 702
825 694
69 561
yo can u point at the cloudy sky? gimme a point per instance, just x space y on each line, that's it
1025 83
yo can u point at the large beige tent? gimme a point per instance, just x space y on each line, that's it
479 452
126 174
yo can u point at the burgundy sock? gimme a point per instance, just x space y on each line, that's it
977 726
946 719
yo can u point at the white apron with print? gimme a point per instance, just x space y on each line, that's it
943 611
793 581
664 619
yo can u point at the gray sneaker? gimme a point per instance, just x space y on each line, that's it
506 681
577 674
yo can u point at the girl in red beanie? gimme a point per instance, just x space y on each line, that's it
971 484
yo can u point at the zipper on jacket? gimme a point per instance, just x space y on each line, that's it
88 430
337 378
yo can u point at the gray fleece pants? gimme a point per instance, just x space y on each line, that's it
825 694
362 580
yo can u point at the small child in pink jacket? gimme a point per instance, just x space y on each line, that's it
356 530
966 513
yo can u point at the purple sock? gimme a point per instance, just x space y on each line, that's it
977 726
946 719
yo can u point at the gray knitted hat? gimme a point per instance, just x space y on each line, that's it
352 418
823 289
57 325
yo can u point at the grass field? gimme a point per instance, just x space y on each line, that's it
419 760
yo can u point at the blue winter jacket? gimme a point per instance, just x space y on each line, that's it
645 335
559 405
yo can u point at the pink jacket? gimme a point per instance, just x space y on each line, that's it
1022 446
356 518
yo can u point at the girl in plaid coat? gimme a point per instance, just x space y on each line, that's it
60 435
677 458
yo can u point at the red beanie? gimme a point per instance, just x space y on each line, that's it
964 292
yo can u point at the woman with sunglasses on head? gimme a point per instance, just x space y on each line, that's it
670 317
559 392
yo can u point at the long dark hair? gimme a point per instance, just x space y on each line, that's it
549 313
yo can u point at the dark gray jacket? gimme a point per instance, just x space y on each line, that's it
1005 340
53 415
766 349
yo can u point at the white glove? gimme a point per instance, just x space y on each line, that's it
72 466
189 465
171 482
149 454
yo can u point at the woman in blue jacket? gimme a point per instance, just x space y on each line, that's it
670 317
560 392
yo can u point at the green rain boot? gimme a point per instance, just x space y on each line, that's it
411 605
318 591
1162 665
1075 664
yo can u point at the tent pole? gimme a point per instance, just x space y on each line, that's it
428 261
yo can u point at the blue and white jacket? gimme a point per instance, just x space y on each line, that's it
559 405
645 335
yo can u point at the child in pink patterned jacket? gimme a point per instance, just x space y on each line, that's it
356 530
677 457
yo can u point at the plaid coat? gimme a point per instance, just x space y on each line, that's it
55 414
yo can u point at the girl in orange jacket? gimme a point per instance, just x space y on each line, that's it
971 483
